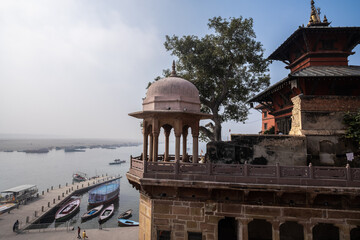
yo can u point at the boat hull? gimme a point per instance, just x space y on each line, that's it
127 223
101 195
125 215
106 213
68 210
92 213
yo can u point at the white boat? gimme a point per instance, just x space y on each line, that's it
6 207
106 213
92 212
68 210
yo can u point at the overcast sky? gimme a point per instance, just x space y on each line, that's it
77 68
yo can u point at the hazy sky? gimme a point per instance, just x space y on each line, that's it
77 68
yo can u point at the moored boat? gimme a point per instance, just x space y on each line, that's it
91 213
6 207
127 222
104 193
106 213
79 177
68 210
117 161
125 215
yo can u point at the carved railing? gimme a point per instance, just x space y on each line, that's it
246 173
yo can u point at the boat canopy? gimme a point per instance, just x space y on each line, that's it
19 189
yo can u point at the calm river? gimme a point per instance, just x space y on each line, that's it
56 167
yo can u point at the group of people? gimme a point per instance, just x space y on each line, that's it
83 234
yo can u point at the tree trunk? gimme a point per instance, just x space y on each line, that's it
217 129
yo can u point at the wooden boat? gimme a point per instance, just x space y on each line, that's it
68 210
106 213
104 193
117 161
79 177
127 223
125 215
6 207
92 213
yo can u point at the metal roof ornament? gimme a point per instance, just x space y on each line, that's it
315 17
173 72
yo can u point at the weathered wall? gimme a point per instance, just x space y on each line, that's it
321 115
320 119
181 217
286 150
145 217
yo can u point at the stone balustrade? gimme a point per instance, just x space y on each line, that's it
246 173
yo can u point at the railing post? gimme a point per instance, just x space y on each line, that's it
177 166
348 172
145 163
245 169
130 161
209 166
311 173
278 174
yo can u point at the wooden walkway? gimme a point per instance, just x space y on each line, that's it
47 200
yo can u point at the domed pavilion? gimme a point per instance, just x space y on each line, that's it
171 103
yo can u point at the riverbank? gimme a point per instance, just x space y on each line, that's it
126 233
46 145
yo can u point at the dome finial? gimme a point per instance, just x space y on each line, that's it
173 72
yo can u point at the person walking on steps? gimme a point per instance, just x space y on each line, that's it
16 226
84 235
79 229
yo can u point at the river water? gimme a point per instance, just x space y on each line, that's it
56 167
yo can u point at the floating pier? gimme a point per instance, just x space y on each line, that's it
45 202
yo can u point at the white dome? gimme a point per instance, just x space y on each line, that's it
172 93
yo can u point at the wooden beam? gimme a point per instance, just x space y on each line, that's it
306 42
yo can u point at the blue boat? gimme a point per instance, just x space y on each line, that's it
127 222
104 193
91 213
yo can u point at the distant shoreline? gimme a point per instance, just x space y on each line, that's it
68 145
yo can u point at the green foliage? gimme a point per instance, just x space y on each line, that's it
226 66
352 120
270 130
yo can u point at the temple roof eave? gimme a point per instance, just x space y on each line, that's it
279 54
309 72
164 113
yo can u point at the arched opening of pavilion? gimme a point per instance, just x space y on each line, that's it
264 234
172 105
325 231
291 231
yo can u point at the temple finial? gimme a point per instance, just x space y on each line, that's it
315 17
173 72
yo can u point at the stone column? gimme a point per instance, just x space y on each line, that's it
184 153
275 229
155 146
243 233
166 157
308 231
145 146
344 231
195 135
151 147
195 149
177 147
167 130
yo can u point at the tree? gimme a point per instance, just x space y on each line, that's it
352 120
226 66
